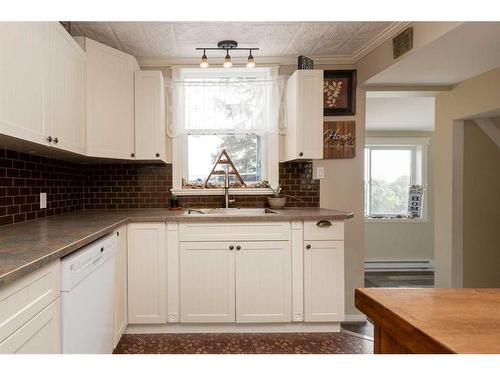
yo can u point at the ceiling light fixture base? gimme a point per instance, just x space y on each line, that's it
227 44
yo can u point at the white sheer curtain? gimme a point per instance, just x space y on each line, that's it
221 105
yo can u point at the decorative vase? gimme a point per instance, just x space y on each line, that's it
277 203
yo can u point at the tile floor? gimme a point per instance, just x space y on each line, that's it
248 343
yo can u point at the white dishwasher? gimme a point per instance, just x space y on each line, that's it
87 283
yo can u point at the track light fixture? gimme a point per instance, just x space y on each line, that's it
227 61
204 61
227 45
251 61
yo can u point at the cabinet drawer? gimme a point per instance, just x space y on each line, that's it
234 231
323 230
40 335
26 297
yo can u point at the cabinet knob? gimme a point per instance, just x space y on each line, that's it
132 154
56 140
49 139
231 247
301 153
238 247
157 154
117 234
308 247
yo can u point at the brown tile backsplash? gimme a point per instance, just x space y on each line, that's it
71 186
23 177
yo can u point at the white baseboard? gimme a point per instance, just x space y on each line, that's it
232 328
399 265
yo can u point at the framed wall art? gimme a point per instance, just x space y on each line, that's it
339 92
339 139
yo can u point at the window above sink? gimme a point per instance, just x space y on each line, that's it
214 109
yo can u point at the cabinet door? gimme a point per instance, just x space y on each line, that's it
263 282
304 138
324 281
110 101
67 73
40 335
146 252
310 123
120 310
150 130
206 282
24 77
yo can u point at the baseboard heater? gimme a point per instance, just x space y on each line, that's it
399 265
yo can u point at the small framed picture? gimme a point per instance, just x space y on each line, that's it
339 92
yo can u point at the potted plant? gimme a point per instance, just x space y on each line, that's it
276 201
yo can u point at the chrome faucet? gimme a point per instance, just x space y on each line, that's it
226 189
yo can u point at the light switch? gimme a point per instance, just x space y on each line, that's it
43 200
320 172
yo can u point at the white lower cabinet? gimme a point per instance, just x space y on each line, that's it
147 271
243 282
120 308
206 282
324 281
40 335
264 282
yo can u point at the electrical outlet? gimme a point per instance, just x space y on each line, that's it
320 172
43 200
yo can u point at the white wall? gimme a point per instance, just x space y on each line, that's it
404 240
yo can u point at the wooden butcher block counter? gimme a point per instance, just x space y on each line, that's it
432 320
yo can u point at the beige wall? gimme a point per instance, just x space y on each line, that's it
470 98
481 242
404 240
342 188
381 57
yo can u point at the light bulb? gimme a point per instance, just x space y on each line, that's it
227 61
204 61
251 61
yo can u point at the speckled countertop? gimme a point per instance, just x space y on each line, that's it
27 246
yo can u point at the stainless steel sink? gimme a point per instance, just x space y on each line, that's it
229 211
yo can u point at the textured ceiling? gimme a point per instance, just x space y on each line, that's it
179 39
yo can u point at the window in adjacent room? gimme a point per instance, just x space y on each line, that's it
391 166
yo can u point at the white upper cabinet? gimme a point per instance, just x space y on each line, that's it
42 85
110 101
304 137
67 90
24 77
150 128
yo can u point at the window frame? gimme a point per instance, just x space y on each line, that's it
418 171
270 155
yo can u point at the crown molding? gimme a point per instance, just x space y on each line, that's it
388 33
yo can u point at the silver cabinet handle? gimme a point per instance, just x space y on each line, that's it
324 223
